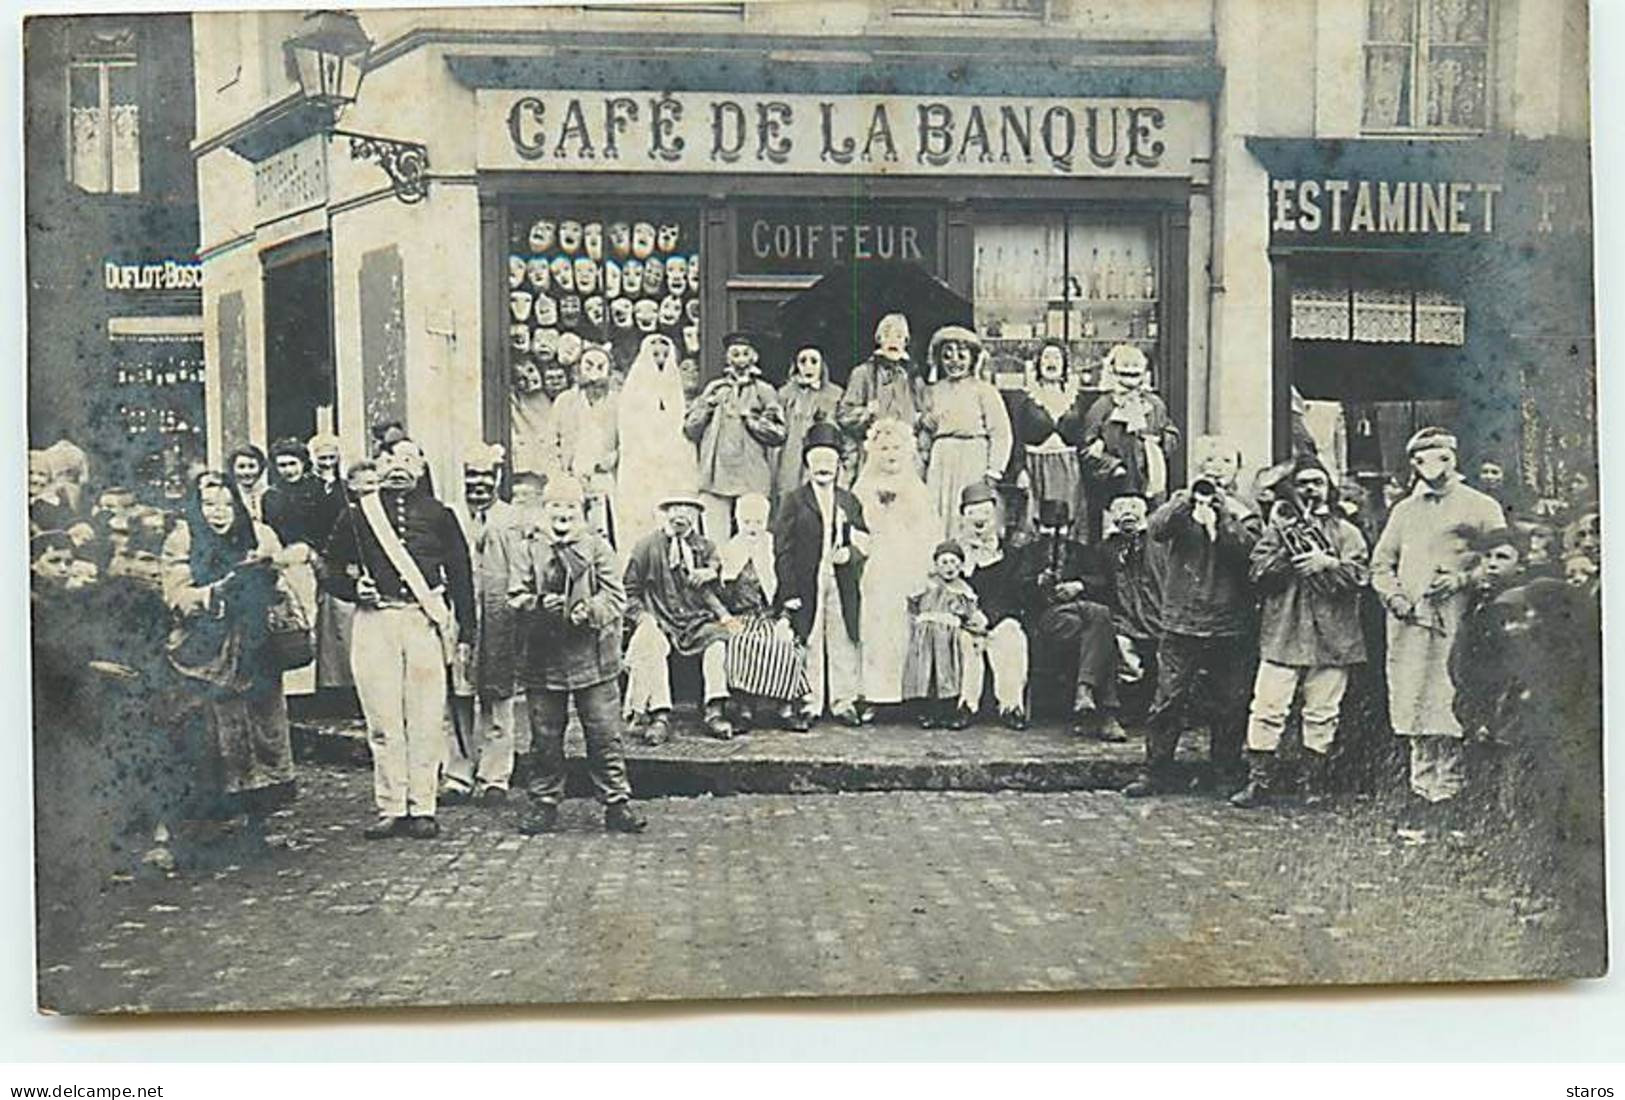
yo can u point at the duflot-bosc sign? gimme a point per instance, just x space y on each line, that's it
933 135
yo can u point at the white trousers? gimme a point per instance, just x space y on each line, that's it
1273 692
395 657
834 664
1004 650
648 670
1438 771
479 743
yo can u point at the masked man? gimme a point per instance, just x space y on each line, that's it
480 742
1131 427
995 577
1137 568
883 386
1310 565
820 541
1205 658
1419 571
736 421
586 418
399 556
1067 591
566 587
808 398
673 602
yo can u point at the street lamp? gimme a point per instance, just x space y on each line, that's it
330 57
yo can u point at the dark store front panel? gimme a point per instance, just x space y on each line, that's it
300 383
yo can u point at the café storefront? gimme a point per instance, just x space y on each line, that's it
607 215
1421 283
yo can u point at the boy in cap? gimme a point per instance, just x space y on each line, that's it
820 542
1420 572
736 421
480 742
673 602
565 586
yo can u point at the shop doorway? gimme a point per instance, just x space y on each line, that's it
300 381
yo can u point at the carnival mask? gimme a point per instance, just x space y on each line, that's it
693 272
620 312
516 270
1051 363
544 345
586 275
691 339
654 277
689 371
563 273
519 337
569 349
677 276
519 304
647 314
643 240
667 237
632 278
570 237
809 367
538 274
955 358
891 337
527 376
547 311
594 309
671 311
555 380
612 279
691 309
620 240
569 311
594 368
541 235
592 239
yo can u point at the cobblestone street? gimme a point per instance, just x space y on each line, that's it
904 892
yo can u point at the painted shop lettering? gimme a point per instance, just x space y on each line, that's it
935 133
1382 206
834 242
168 275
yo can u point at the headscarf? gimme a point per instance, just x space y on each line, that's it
652 395
741 550
958 334
213 555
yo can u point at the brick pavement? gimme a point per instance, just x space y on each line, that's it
900 893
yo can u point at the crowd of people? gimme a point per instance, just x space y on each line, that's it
911 547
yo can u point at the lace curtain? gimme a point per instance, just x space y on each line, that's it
1427 64
104 120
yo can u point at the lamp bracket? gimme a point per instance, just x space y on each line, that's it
405 162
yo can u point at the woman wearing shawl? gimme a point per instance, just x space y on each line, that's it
898 510
964 420
1048 424
764 660
298 511
219 580
656 460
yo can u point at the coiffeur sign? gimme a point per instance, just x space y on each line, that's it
939 135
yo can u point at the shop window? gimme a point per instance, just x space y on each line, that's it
1090 284
606 274
1427 65
104 117
997 9
1377 315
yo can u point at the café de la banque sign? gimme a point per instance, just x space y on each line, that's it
722 132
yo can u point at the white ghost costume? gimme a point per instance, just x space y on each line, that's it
656 458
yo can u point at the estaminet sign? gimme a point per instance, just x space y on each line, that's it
588 131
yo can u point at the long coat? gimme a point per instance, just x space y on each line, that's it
803 407
736 424
496 556
798 540
1427 534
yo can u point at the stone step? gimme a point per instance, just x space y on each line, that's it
829 758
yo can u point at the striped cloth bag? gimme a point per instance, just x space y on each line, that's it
767 661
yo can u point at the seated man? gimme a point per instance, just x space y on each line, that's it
1067 595
672 601
995 578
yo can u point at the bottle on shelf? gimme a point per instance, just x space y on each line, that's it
1094 273
1152 327
1088 325
1148 284
1114 277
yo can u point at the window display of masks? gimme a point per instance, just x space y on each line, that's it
609 275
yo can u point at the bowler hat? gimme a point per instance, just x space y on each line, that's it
821 434
977 492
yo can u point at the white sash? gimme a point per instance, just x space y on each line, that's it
433 604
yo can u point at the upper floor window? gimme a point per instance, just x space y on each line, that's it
1427 65
1004 9
104 116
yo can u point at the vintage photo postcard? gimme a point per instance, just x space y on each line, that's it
679 501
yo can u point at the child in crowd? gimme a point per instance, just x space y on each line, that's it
940 617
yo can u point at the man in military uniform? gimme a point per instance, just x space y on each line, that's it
400 556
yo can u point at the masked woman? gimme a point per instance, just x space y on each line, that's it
219 580
964 420
655 459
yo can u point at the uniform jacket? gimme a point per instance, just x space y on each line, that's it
798 546
433 539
